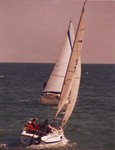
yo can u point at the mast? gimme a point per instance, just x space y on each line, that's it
70 84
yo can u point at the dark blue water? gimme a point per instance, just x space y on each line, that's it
92 124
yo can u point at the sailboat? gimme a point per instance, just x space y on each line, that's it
68 95
50 95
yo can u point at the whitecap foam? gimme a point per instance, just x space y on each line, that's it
3 145
1 76
23 100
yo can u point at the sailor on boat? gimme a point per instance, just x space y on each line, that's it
42 133
35 124
39 129
47 128
32 126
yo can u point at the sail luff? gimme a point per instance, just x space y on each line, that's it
56 78
72 63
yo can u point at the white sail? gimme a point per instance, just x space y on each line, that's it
56 79
72 79
73 94
69 91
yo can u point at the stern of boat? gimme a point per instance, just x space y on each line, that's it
29 139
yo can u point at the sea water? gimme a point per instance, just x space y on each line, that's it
92 124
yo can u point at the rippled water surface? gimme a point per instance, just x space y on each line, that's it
91 126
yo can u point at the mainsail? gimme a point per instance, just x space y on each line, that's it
72 79
56 79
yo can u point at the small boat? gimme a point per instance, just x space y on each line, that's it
68 96
28 139
50 94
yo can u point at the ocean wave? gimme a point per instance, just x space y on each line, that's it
23 100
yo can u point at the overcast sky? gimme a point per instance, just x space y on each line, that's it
34 30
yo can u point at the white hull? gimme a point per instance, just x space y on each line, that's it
49 100
28 139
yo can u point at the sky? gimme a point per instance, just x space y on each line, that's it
34 30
